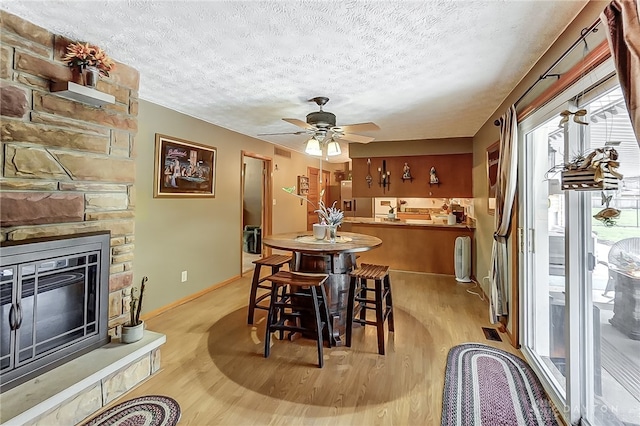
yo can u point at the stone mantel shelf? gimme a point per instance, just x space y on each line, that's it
79 93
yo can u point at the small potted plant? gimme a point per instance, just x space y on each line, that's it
392 212
133 330
88 62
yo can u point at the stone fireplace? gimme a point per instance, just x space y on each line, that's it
67 168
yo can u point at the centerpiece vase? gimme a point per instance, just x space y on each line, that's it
319 231
332 230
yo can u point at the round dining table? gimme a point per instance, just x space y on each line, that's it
335 259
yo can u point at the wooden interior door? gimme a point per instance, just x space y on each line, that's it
266 196
315 186
326 175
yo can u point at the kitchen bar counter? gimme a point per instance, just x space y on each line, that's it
404 222
410 245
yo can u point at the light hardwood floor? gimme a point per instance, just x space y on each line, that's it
213 363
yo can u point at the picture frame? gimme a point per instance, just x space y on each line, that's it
183 169
493 155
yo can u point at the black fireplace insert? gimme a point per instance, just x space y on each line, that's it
53 303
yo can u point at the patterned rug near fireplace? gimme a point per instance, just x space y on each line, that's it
487 386
153 410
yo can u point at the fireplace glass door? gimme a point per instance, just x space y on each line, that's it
8 321
54 303
58 303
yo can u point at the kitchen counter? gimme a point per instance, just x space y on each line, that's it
404 222
410 244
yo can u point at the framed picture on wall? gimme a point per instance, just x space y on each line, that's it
183 169
493 155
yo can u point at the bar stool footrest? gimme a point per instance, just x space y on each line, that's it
364 322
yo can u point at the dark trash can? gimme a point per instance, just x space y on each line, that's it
252 239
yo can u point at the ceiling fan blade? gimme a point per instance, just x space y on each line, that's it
287 133
355 138
299 123
359 127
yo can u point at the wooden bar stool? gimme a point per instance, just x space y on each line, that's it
275 261
303 295
382 302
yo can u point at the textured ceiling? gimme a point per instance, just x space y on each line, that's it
419 70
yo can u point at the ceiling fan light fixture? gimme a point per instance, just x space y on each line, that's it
333 148
313 147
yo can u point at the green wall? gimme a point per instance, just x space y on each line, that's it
202 236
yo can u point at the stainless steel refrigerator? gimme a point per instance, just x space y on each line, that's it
354 207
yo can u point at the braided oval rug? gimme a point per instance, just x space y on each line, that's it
487 386
152 410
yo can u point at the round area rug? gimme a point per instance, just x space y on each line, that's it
152 410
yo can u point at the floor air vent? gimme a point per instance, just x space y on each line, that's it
491 334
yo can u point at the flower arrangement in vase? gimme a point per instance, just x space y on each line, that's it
330 215
329 218
88 61
392 212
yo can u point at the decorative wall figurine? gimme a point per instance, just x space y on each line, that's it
406 172
433 179
369 178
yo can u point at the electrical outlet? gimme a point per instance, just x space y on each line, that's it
184 276
274 201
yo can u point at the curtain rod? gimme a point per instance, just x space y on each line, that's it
583 34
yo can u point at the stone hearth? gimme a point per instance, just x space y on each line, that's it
76 390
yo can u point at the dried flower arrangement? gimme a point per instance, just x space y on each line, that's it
88 55
600 160
331 215
327 216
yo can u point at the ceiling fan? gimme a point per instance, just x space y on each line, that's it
321 125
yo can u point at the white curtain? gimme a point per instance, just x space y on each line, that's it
505 194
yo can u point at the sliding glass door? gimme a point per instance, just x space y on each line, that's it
546 266
611 320
580 268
